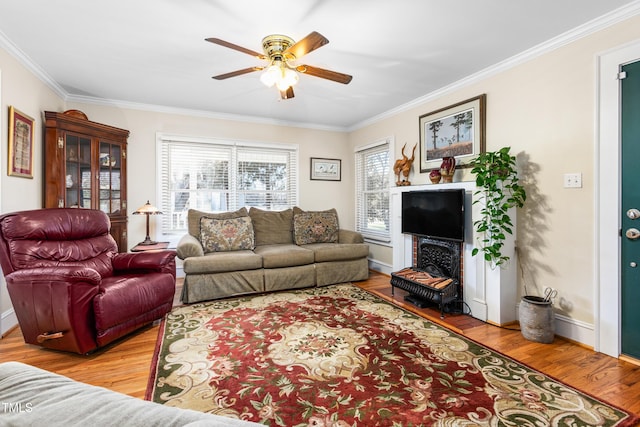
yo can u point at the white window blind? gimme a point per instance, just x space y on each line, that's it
217 176
372 190
265 178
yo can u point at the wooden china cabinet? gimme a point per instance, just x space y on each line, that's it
85 166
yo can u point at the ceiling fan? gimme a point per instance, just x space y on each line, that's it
281 52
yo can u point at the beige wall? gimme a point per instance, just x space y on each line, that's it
545 109
22 90
143 126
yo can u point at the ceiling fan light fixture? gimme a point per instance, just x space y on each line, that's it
282 52
271 75
287 79
280 75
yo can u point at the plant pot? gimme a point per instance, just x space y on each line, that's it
537 320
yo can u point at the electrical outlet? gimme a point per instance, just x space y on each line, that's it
573 180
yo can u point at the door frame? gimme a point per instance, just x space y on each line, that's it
607 313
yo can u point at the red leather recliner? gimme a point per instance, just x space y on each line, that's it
70 288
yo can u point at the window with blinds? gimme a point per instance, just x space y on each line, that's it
372 190
217 176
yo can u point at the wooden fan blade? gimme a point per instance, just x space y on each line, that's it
237 73
287 94
324 74
308 44
224 43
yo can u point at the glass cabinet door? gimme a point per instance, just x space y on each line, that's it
110 200
78 172
85 166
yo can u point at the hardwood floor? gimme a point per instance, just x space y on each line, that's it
124 365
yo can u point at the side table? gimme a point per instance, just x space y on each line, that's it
155 247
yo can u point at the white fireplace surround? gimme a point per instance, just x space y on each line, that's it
490 294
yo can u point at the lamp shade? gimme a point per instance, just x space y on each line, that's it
147 209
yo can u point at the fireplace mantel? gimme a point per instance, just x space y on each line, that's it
491 294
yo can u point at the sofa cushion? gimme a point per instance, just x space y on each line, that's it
277 256
193 218
272 227
327 252
231 234
220 262
315 227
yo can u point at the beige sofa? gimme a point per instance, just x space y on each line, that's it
31 396
245 252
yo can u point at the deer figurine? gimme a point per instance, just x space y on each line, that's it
403 166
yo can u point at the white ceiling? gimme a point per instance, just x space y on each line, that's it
152 54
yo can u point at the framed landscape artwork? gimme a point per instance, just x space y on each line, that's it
455 131
21 136
326 169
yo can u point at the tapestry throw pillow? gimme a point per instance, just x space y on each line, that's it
315 227
194 216
227 234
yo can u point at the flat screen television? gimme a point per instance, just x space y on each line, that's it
434 213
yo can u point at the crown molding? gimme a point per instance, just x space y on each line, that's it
198 113
34 68
591 27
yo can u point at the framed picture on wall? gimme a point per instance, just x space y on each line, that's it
454 131
326 169
21 136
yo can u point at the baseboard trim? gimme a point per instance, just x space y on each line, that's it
380 266
574 330
8 321
629 359
581 333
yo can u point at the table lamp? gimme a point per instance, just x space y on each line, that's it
147 209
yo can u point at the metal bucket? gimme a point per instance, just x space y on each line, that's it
537 320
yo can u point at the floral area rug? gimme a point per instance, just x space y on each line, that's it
339 356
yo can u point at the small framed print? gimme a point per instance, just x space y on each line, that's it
21 136
326 169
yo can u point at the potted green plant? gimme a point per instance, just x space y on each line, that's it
499 189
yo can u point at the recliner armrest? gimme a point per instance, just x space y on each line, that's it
145 262
55 274
189 246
